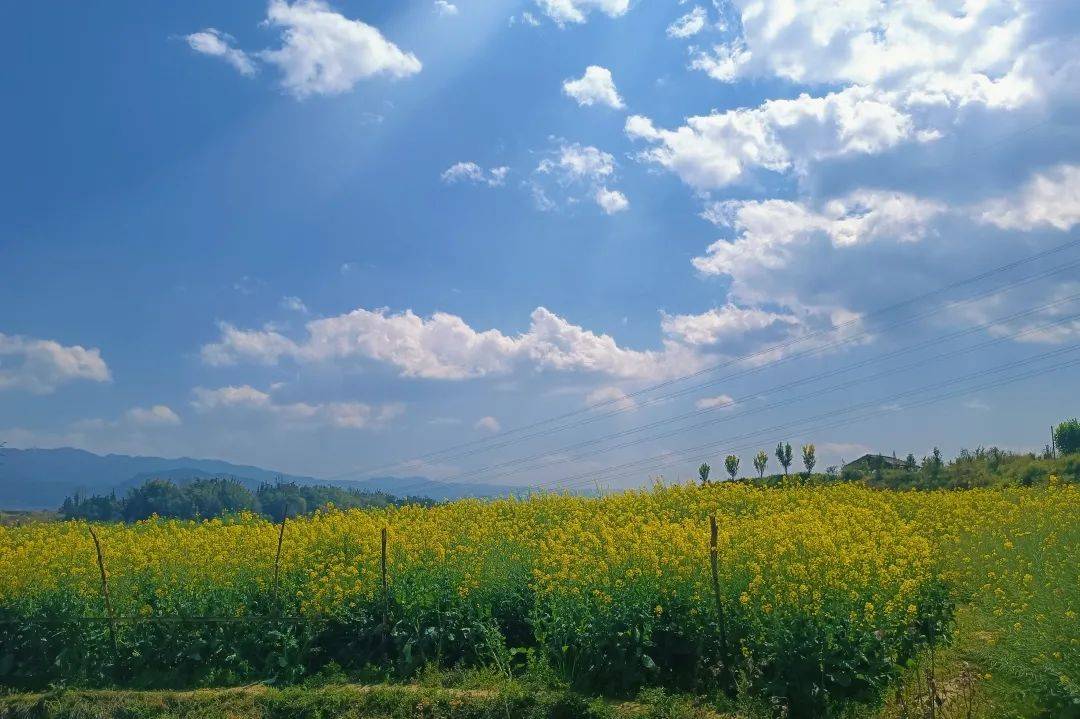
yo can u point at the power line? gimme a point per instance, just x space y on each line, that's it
788 401
871 415
876 402
791 358
729 362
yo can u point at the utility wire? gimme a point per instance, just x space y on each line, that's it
757 395
871 415
726 363
791 358
790 425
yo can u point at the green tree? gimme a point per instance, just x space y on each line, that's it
703 472
277 499
731 464
909 463
783 455
933 466
809 458
761 459
1067 436
160 497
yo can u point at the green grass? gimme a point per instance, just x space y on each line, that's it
505 700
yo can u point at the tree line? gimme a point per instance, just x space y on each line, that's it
981 467
217 497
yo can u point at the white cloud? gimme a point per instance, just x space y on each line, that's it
821 41
611 201
720 401
326 53
770 232
526 17
445 8
471 172
576 170
488 424
689 24
294 304
723 62
157 416
594 87
218 44
578 162
712 151
1049 199
576 11
242 396
342 415
40 366
610 397
443 346
727 323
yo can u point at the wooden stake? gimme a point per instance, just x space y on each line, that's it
385 589
277 557
105 595
713 557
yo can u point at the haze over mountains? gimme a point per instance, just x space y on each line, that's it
42 478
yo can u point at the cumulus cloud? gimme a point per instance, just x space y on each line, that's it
720 401
577 170
488 424
40 366
728 323
294 304
322 52
577 11
342 415
610 397
473 173
443 346
611 201
1049 199
574 162
215 43
722 62
898 73
888 91
689 24
820 41
775 236
594 87
445 8
713 151
157 416
326 53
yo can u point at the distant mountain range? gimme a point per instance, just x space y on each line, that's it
41 478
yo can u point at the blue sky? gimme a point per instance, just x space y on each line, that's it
323 237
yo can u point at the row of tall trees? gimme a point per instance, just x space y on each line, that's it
207 498
784 456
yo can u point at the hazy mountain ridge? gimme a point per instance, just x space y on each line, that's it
42 478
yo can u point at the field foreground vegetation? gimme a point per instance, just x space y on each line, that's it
825 600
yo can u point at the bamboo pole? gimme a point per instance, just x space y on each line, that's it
105 595
277 557
385 586
713 563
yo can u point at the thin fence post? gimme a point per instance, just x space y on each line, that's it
713 563
385 588
105 595
277 557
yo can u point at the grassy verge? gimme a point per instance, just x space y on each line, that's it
508 700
